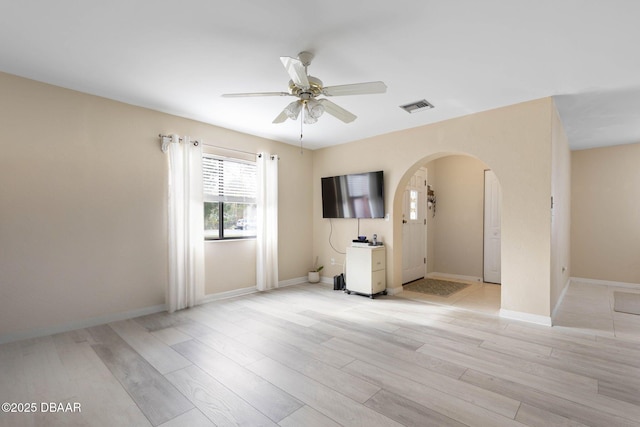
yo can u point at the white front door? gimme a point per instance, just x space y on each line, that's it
414 235
492 231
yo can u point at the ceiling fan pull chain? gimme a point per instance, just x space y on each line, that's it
301 121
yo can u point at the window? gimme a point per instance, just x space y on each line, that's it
229 198
413 204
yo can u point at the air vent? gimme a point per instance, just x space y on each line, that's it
414 107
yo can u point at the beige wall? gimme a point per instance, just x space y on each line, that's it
83 212
605 213
458 225
83 230
235 270
514 141
561 212
231 264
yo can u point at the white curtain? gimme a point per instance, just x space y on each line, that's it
186 224
267 229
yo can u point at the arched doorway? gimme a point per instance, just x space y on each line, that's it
455 223
516 142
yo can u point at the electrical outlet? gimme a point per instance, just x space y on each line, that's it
333 261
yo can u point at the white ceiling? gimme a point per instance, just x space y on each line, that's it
462 56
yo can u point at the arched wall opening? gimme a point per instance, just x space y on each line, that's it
526 191
515 141
452 239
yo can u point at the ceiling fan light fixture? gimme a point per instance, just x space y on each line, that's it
293 110
314 109
308 119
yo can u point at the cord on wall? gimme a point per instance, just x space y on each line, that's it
331 244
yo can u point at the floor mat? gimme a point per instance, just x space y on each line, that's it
442 288
626 302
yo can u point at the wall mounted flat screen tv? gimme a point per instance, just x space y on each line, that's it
358 195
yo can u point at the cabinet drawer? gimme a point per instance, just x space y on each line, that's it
378 281
377 260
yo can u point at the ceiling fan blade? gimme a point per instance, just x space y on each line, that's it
337 111
355 89
296 71
281 117
242 95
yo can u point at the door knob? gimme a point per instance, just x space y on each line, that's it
404 221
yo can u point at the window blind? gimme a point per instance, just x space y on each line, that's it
228 180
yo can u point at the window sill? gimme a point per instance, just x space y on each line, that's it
234 239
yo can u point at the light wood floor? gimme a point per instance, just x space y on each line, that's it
309 356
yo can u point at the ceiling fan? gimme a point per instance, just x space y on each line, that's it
307 88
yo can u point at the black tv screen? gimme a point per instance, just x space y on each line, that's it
358 195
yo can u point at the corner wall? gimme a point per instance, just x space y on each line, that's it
605 212
514 141
561 211
83 191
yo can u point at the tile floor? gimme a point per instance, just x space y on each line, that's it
478 297
589 308
585 307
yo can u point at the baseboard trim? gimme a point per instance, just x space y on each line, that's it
249 290
79 324
326 283
559 302
582 280
291 282
526 317
434 275
228 294
394 291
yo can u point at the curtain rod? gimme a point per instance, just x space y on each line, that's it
196 143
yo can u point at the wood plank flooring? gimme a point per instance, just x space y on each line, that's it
309 356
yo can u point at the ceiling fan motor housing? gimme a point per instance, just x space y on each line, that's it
314 89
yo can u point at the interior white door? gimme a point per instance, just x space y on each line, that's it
414 228
492 231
